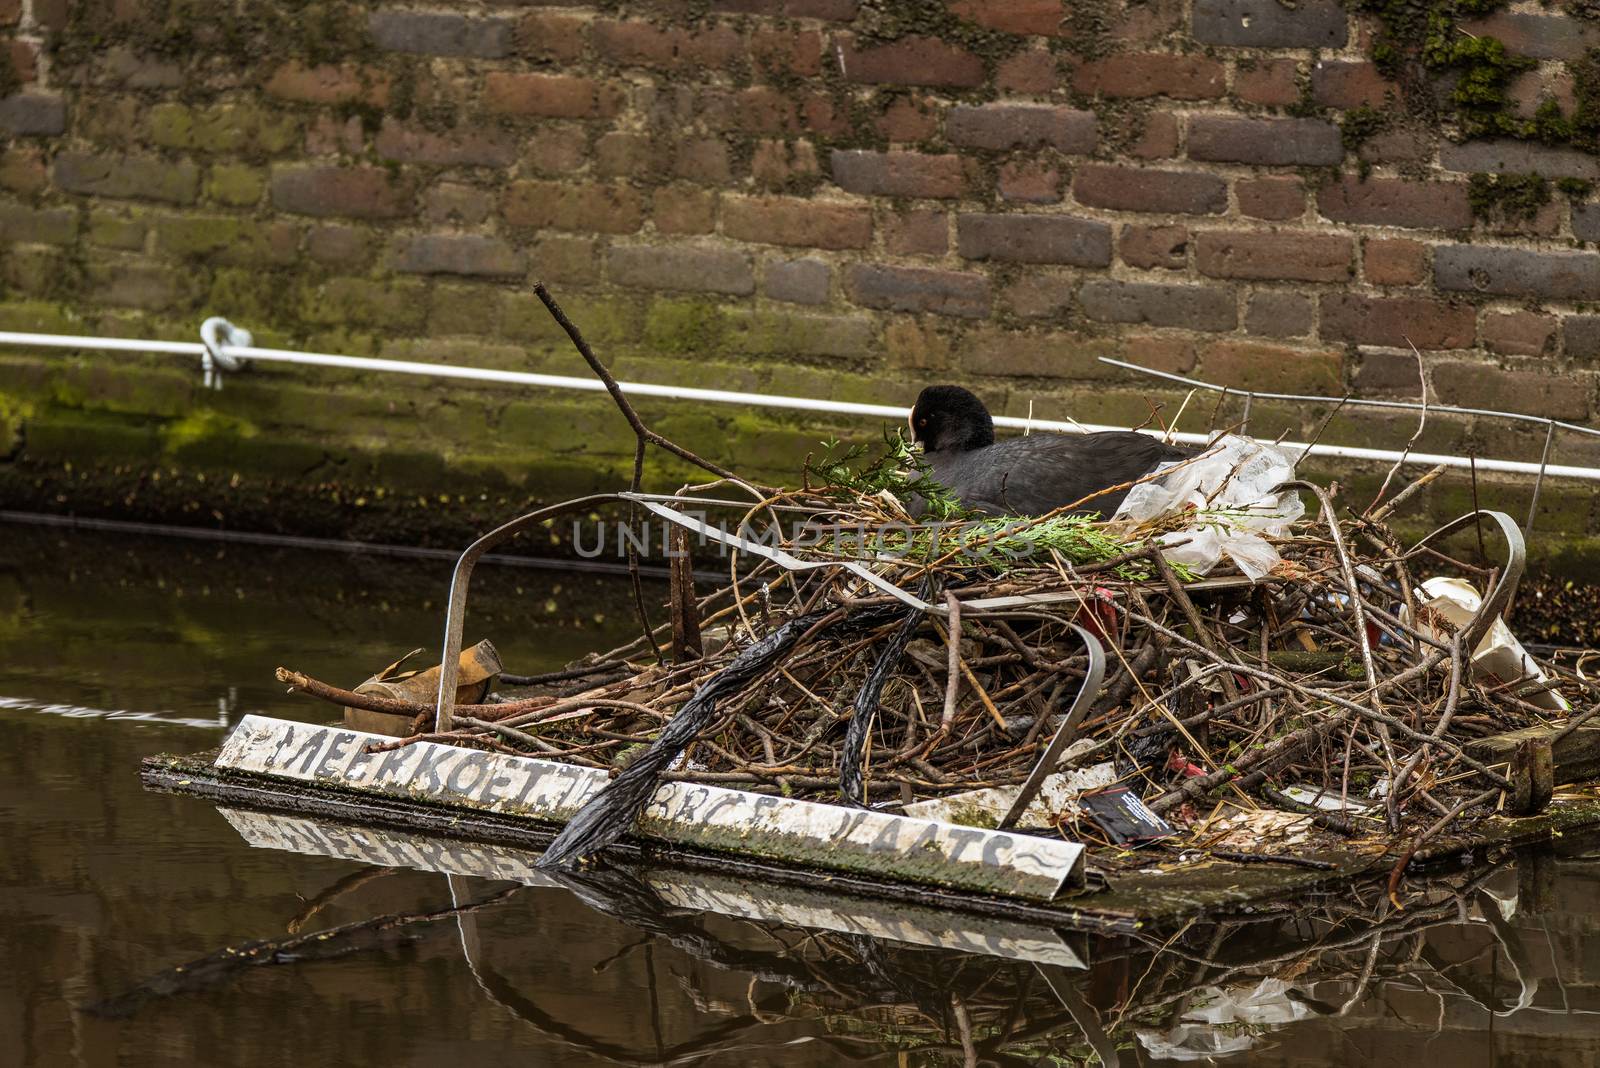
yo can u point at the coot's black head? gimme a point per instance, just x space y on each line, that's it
949 417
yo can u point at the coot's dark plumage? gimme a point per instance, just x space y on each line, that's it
1026 475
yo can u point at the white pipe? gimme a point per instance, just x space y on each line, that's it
719 396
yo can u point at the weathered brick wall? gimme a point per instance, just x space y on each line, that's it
831 197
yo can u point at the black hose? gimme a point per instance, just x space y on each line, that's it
852 787
611 812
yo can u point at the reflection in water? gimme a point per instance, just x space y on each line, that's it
308 941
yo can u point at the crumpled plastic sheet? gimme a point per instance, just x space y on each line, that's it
1199 1035
1231 489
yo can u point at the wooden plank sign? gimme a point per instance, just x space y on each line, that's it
808 833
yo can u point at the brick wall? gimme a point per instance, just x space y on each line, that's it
819 196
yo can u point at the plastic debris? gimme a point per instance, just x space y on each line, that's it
1326 800
1499 656
1057 798
1231 490
1204 1032
1124 818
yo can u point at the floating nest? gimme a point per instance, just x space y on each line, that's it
858 656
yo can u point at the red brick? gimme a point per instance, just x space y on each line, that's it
457 204
1030 73
1040 296
680 266
329 83
905 119
1138 189
1174 355
1029 182
1551 36
1276 314
1271 198
440 34
465 254
835 10
1476 385
667 47
1155 246
821 116
552 37
1251 365
606 209
1518 333
1274 82
1108 300
916 289
1001 126
556 149
340 246
899 174
1403 145
1020 238
1396 202
551 95
916 233
24 60
1532 88
1284 254
780 164
620 154
1349 85
1181 77
1394 261
1427 324
22 169
684 210
803 281
795 221
355 192
1144 21
787 52
910 61
756 110
1041 18
328 136
564 258
702 159
1158 138
1268 142
484 146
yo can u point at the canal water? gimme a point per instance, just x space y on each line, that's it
144 928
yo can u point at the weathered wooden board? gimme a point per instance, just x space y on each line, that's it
1575 758
699 892
709 817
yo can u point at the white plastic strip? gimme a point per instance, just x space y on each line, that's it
742 897
719 396
782 829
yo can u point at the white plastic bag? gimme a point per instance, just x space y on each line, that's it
1230 488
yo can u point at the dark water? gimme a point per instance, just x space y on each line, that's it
113 649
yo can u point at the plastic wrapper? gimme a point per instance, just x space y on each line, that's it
1232 492
1204 1031
1499 656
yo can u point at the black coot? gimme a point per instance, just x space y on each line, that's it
1026 475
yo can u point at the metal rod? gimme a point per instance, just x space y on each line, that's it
1410 405
1538 482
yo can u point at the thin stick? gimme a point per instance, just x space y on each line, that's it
952 684
1422 422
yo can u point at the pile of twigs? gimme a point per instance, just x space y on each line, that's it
905 661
